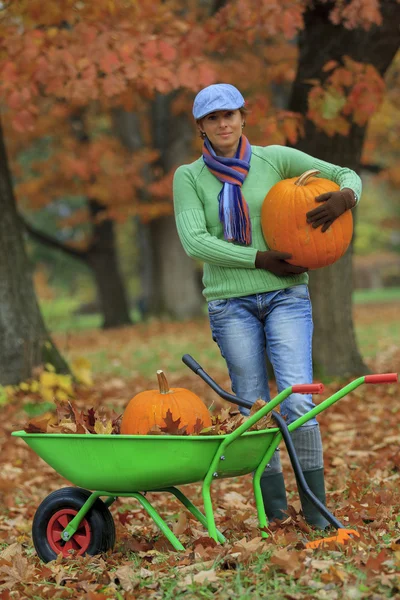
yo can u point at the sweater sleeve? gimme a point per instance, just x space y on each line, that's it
191 225
290 162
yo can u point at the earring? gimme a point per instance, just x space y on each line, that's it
243 124
203 134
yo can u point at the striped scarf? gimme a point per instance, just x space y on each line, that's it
233 208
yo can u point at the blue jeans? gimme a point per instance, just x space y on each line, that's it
278 324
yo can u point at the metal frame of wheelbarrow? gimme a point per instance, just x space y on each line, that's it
286 429
282 433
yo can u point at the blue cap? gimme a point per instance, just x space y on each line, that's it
219 96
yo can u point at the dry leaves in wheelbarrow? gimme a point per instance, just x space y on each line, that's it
229 419
68 418
226 421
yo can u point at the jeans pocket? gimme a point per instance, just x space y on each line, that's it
298 291
216 307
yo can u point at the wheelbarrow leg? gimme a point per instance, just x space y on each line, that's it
208 508
159 521
194 510
262 517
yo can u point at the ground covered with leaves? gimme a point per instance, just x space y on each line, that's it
361 436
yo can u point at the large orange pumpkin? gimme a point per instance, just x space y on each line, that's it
150 408
285 228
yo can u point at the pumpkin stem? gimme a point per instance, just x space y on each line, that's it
302 180
162 383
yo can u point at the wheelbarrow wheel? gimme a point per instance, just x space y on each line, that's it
96 532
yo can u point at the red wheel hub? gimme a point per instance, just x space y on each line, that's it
80 540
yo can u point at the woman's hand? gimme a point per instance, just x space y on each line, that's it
274 261
333 205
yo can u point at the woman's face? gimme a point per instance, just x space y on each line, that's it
223 128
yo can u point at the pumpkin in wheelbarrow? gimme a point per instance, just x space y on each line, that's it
285 228
149 409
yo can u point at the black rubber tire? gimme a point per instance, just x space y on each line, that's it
99 521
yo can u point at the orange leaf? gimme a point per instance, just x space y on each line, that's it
127 50
14 100
198 426
290 129
187 75
41 423
113 85
206 74
9 72
331 64
167 51
109 62
23 121
171 426
150 50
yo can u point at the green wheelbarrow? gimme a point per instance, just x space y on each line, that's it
113 466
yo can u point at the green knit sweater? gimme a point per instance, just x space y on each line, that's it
229 269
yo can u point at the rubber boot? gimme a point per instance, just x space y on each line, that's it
308 445
274 496
316 483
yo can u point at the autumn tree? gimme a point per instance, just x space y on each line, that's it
69 56
382 148
125 66
169 282
357 49
24 341
135 54
97 170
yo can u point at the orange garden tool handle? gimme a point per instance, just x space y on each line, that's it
343 535
381 378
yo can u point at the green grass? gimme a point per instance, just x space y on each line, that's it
258 579
61 314
373 338
376 295
141 355
138 355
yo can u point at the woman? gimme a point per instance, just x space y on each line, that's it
258 303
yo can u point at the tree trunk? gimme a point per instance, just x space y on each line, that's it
181 297
127 127
335 347
102 256
24 341
176 278
103 261
169 278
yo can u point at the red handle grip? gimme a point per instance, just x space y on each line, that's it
308 388
381 378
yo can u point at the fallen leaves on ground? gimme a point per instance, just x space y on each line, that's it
361 454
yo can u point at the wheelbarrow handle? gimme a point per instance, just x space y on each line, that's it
191 363
196 368
304 388
381 378
308 388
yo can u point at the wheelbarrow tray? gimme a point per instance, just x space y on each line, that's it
126 463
